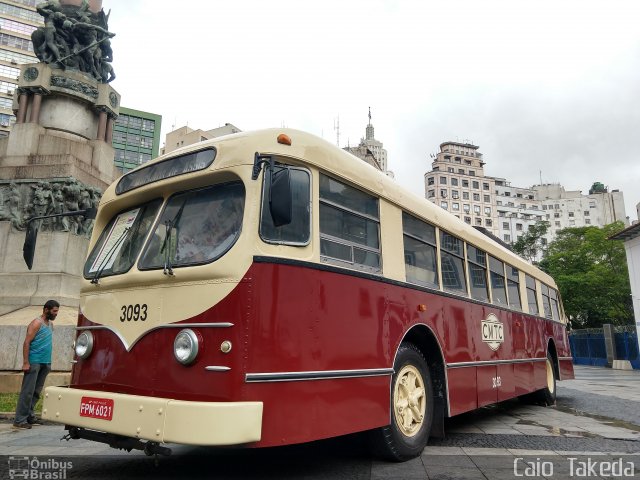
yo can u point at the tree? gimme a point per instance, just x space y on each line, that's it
532 243
591 273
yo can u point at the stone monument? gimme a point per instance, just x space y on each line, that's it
58 157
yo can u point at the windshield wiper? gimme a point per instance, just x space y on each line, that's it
111 251
168 268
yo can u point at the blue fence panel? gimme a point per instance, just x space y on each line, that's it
627 348
588 349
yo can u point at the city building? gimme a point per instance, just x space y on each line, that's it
136 138
184 136
371 150
457 182
18 19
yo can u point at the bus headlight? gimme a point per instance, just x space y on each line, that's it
185 346
84 344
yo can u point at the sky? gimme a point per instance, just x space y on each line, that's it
547 89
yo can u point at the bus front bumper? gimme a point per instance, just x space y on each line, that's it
161 420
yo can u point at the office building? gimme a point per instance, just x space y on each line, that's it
136 138
184 136
457 183
18 19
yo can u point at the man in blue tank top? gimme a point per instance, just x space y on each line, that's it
36 353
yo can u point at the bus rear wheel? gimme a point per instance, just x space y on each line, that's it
547 395
411 408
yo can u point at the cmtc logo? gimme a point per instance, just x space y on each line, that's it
492 332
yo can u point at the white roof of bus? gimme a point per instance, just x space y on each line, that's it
316 151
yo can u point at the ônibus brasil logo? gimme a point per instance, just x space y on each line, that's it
492 332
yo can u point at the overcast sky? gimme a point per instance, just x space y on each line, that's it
545 88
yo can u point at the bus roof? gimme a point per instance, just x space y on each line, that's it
312 150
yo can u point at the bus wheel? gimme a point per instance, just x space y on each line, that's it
411 408
548 394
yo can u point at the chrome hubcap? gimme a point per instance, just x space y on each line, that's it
409 400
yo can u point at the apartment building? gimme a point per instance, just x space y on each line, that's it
457 182
18 19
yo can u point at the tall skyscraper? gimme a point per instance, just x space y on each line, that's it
18 19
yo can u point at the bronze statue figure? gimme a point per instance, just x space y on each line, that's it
75 38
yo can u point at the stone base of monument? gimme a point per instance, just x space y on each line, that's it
57 158
56 274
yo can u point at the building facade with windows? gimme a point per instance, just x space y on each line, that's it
136 138
371 150
183 136
18 19
457 182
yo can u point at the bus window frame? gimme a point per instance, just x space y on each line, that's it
508 278
341 241
463 257
504 280
119 191
262 192
485 267
161 213
535 293
434 245
142 247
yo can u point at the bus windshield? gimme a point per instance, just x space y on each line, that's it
121 241
196 227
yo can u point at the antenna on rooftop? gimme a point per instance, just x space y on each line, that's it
336 127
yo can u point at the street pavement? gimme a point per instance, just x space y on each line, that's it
593 432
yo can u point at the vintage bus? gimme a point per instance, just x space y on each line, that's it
268 288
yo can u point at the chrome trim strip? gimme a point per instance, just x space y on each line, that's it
215 368
170 325
494 362
565 358
316 375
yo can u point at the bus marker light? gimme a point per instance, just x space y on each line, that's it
225 347
422 307
284 139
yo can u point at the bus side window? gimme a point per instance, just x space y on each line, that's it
513 287
452 260
477 262
553 294
546 301
349 226
420 261
532 296
498 290
298 232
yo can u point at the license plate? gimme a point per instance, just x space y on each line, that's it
93 407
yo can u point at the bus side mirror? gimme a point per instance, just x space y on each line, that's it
280 201
29 247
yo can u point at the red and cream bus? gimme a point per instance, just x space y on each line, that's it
268 288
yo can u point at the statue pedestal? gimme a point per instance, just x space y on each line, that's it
58 157
56 274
